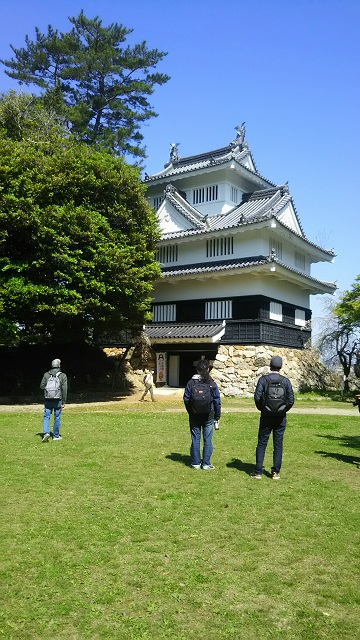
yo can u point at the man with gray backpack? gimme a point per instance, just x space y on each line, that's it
54 385
273 396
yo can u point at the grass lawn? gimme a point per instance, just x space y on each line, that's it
109 534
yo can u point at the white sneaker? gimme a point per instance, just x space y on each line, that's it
196 466
45 437
57 438
208 467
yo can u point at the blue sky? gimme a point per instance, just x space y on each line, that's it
288 68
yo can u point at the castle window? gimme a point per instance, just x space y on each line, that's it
300 260
275 247
167 254
218 310
234 195
164 313
205 194
275 311
156 202
300 317
223 246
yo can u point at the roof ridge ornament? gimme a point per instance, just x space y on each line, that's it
240 136
286 187
170 189
174 152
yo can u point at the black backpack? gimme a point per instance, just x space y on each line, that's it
275 395
201 397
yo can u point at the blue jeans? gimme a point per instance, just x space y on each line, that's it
207 426
49 407
278 429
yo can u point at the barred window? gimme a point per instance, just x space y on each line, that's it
218 310
300 260
300 317
166 254
275 247
156 202
205 194
234 195
276 311
164 313
220 247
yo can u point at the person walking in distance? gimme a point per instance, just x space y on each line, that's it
54 385
273 396
149 385
203 404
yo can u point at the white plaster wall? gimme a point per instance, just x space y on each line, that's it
229 287
288 217
171 220
247 244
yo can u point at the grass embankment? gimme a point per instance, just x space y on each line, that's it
109 534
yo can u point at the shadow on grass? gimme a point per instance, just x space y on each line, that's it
340 456
41 435
345 441
179 457
73 398
245 467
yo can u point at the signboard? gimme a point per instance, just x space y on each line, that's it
161 373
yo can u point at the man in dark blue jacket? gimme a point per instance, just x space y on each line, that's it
202 421
271 422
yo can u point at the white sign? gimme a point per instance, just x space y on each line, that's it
161 373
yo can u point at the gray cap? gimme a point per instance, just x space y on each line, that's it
56 363
276 362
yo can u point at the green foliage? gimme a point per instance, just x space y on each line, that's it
77 237
348 309
89 76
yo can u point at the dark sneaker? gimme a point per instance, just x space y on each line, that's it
275 476
45 437
207 467
196 466
256 476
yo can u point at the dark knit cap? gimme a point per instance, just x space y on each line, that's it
276 362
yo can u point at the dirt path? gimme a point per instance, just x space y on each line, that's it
163 399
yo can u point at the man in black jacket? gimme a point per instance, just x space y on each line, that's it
199 421
54 404
271 422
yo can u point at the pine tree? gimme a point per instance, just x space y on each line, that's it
93 79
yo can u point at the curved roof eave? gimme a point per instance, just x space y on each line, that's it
256 264
177 235
173 171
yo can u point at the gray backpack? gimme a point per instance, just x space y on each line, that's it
52 390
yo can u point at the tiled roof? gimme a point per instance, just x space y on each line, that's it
205 160
186 210
197 331
242 263
255 207
218 265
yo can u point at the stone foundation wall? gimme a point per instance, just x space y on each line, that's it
236 369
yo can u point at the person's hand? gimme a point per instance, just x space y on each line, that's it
62 406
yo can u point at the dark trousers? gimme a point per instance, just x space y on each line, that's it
277 427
